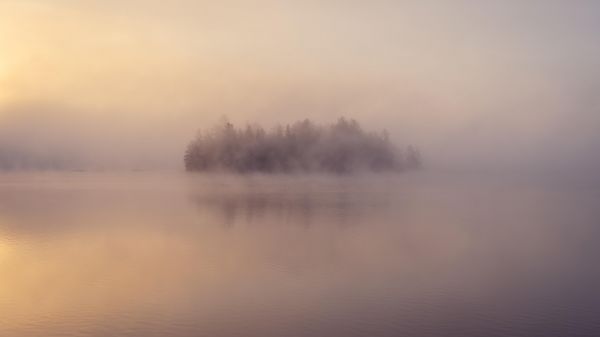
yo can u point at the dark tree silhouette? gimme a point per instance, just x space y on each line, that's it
342 147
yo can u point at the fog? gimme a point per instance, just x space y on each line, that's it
507 86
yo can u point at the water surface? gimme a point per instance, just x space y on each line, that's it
170 254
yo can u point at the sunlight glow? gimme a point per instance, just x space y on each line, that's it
5 90
5 250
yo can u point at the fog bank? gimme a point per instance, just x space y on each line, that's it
126 84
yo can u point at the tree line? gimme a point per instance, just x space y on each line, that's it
304 146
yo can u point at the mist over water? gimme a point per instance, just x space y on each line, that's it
148 254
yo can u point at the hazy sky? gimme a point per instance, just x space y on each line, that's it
511 84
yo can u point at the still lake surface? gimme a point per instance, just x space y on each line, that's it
172 254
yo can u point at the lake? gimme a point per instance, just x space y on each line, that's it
419 254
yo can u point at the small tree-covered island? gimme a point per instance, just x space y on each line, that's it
342 147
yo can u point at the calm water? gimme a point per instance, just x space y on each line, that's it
142 254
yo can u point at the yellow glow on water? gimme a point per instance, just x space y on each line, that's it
103 270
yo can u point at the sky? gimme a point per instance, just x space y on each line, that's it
474 84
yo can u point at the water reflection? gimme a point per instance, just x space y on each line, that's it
178 255
291 203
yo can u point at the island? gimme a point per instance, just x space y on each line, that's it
303 146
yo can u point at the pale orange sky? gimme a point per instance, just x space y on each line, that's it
496 83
